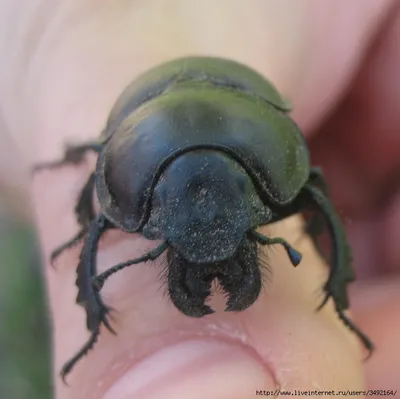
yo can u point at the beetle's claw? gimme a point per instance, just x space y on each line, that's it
370 350
105 321
63 374
324 301
99 313
329 292
104 311
55 254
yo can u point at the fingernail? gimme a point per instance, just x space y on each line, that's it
195 369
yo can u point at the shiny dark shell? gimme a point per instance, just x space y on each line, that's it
190 104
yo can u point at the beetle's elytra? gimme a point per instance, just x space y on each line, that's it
199 152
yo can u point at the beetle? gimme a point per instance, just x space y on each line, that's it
199 152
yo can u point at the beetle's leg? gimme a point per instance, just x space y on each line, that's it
98 281
315 225
74 154
351 326
69 244
294 255
317 179
96 311
84 211
341 272
68 366
87 267
341 269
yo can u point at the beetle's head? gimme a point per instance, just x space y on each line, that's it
203 206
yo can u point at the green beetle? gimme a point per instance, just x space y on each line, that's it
199 152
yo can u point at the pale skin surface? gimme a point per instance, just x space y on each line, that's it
62 68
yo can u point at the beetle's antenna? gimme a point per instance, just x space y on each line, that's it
294 255
99 280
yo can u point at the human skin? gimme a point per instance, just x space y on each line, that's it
63 66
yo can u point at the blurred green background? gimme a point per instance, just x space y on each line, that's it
24 333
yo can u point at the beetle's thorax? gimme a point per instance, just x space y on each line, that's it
264 141
203 206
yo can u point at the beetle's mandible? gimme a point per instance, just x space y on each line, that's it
199 152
